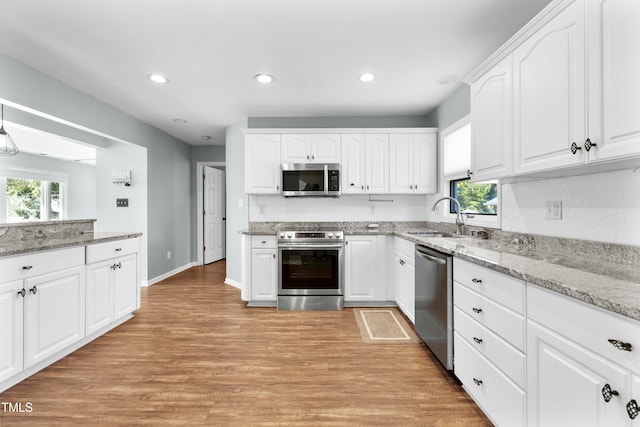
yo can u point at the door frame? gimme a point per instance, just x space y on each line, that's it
200 205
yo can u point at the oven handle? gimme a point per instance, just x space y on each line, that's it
312 246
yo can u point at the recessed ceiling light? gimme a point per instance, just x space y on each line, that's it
367 77
206 137
157 78
446 80
264 78
180 120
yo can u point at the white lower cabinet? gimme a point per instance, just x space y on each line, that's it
404 277
112 282
54 313
583 363
11 329
364 278
264 268
489 341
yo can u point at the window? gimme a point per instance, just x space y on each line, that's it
479 201
31 196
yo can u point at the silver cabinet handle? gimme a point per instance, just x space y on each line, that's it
477 340
477 281
411 187
33 290
632 408
118 249
477 310
22 292
274 256
477 381
27 267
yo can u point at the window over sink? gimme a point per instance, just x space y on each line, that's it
479 201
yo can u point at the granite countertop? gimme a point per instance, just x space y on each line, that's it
44 244
612 286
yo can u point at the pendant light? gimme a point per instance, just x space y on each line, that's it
7 146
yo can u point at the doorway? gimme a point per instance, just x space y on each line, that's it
211 212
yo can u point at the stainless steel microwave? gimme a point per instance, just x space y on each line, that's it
310 180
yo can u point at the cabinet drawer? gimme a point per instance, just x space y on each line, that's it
268 242
588 325
405 247
507 358
35 264
501 399
508 324
103 251
499 287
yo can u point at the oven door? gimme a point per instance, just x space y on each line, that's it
311 269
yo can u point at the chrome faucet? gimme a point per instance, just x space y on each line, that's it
459 220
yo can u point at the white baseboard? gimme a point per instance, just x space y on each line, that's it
168 274
233 283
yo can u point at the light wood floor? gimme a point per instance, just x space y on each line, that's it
195 355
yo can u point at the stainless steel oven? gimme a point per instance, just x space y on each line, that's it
311 270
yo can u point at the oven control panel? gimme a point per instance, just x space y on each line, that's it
311 235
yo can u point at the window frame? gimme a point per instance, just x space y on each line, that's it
488 221
45 178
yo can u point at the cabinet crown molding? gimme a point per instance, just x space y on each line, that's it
247 131
545 15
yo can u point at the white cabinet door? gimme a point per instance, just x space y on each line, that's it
310 148
55 313
325 148
425 163
492 118
376 160
11 329
295 148
124 285
404 280
549 94
99 305
413 163
614 86
264 275
566 382
262 164
401 163
353 164
361 273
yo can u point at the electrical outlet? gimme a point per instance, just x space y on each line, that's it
122 203
554 209
168 254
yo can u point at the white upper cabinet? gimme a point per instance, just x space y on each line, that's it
413 163
262 164
310 148
365 163
574 88
492 130
614 78
549 83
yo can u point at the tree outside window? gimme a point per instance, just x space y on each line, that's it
32 200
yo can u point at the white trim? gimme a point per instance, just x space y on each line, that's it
233 283
167 274
33 174
199 206
338 130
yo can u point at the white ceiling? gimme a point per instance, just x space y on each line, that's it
211 49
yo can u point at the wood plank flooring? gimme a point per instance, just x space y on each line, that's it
195 355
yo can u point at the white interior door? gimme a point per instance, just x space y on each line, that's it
214 215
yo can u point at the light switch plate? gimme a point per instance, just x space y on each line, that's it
122 203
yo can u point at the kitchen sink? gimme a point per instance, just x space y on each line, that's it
431 233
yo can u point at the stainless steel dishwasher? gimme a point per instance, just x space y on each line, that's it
434 302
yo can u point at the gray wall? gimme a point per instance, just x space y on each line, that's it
169 160
81 185
452 109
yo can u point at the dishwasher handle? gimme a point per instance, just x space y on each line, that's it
430 257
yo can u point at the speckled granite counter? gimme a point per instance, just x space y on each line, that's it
602 274
614 286
23 238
